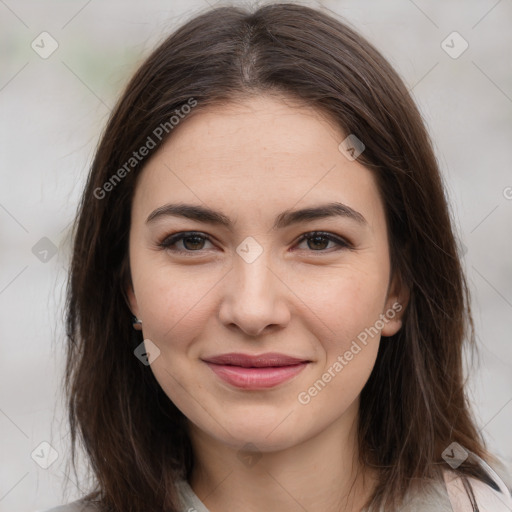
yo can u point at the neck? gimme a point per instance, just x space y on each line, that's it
320 473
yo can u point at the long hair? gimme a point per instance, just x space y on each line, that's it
414 404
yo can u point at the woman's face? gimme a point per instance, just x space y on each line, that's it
249 284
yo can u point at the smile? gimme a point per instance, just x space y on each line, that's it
256 372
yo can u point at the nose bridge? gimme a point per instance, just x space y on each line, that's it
252 299
252 274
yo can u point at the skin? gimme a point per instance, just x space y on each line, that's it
253 159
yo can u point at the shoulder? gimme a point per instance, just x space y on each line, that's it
453 493
464 492
189 499
75 506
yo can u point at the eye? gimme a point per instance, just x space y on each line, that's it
193 242
317 240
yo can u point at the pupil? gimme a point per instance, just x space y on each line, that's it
315 240
198 240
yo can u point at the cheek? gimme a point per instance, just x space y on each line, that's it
344 306
172 300
173 305
349 339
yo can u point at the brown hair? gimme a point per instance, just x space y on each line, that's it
414 403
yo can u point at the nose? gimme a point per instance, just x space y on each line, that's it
255 298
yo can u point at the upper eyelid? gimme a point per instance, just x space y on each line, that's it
333 237
180 235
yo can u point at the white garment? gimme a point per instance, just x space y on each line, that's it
435 497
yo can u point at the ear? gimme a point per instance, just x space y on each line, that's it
127 288
396 303
131 300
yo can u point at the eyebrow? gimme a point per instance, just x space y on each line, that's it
283 220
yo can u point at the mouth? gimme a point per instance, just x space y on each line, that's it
256 372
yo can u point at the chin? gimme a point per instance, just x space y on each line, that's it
266 436
258 442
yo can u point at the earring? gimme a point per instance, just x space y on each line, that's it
137 324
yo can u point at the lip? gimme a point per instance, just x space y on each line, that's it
256 372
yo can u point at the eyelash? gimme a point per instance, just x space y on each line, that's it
171 240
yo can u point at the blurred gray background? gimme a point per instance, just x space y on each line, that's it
53 108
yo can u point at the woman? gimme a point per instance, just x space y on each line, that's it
266 306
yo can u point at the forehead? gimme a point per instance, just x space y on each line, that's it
262 151
256 128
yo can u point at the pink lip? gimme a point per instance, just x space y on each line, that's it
255 372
